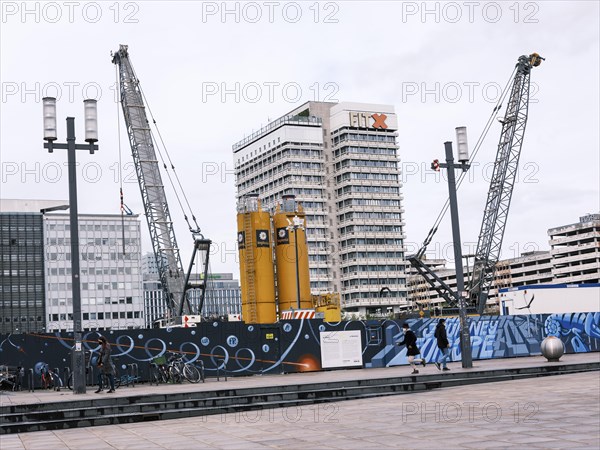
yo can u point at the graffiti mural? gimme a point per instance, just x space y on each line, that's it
294 346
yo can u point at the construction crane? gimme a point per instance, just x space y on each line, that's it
502 183
499 195
175 283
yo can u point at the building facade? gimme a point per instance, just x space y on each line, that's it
222 297
35 274
575 251
574 258
155 307
341 161
22 286
111 279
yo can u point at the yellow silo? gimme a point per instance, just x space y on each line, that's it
256 262
291 251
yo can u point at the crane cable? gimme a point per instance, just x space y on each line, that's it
183 210
477 147
120 159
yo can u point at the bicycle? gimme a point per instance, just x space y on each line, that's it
188 370
11 378
173 370
158 371
174 373
105 380
128 379
50 378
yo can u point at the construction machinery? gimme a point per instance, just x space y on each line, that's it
175 282
502 183
499 194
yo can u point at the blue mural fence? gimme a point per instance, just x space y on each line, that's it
294 346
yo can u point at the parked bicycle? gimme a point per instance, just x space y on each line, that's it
11 377
130 378
50 378
174 369
158 370
189 371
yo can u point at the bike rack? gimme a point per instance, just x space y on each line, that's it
66 374
92 377
151 367
19 379
30 381
132 374
224 364
201 369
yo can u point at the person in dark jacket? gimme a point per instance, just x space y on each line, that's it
410 340
105 365
443 344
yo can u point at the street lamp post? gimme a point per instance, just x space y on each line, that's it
463 158
91 136
295 225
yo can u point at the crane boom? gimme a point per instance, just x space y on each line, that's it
156 209
502 183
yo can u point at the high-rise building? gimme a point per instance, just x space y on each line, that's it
22 288
35 276
341 161
155 307
576 251
149 266
111 280
574 258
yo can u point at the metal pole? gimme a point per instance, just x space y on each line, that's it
465 337
78 361
297 271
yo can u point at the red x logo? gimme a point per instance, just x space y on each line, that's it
379 121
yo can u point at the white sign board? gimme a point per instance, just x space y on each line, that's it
341 349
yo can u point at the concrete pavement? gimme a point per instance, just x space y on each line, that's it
551 412
40 396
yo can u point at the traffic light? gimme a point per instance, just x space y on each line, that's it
435 165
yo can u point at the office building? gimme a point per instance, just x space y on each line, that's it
575 251
573 258
222 297
22 287
341 161
35 276
111 280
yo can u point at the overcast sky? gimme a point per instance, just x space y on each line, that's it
213 74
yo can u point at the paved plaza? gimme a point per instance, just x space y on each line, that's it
560 411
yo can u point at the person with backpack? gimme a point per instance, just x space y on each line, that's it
443 344
410 340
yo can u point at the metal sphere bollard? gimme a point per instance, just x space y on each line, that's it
552 348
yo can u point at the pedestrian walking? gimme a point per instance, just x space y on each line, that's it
105 365
443 344
410 340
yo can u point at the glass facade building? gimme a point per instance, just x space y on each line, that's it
22 288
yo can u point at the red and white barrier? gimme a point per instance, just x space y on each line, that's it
298 314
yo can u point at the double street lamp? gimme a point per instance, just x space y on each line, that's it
91 137
460 294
